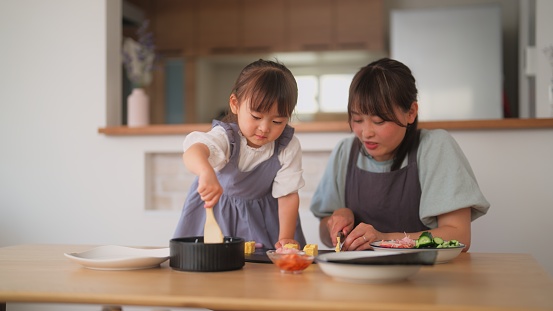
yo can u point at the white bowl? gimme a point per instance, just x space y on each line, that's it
364 273
444 254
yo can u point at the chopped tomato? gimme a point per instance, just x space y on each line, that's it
292 262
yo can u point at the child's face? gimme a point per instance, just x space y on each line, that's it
381 138
259 128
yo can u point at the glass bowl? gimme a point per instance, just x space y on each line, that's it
290 261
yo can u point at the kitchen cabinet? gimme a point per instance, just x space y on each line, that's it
336 25
175 26
219 30
263 26
214 27
311 23
359 25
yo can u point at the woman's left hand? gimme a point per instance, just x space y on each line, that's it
360 238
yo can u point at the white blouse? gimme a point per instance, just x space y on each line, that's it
289 178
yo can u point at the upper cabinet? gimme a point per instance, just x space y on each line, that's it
218 31
175 24
359 25
311 26
211 27
263 26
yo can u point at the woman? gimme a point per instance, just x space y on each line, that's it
392 179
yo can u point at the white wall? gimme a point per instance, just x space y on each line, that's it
62 182
455 55
544 65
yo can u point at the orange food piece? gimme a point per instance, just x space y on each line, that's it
311 249
292 262
249 247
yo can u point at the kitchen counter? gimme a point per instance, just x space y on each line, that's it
334 126
472 281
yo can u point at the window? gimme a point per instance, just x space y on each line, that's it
325 93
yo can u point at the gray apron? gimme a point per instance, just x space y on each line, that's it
387 201
247 208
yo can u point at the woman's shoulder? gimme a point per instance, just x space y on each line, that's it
342 149
435 135
435 138
437 143
345 143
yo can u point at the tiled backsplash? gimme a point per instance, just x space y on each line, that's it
168 181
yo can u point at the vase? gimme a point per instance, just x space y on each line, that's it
138 108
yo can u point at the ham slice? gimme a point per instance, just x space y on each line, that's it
406 242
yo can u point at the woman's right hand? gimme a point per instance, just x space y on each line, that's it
342 220
209 188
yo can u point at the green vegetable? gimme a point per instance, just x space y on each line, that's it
426 240
454 243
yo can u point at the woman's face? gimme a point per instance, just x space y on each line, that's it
259 128
381 138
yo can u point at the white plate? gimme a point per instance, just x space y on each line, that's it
364 273
113 257
444 254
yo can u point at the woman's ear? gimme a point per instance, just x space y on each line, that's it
233 103
413 111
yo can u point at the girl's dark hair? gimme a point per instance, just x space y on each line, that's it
264 83
380 87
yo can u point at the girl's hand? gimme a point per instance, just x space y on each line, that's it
361 237
209 188
283 242
341 220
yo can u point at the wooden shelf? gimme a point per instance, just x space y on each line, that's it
335 126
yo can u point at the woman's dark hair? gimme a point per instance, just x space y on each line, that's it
380 87
264 83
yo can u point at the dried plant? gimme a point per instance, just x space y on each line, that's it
139 57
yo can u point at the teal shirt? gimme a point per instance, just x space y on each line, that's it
447 180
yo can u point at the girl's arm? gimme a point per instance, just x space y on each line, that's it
288 207
195 159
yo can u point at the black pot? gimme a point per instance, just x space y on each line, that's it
192 254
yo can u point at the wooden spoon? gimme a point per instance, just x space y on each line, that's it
212 231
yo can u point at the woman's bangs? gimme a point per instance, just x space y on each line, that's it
373 102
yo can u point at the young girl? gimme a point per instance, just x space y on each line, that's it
249 166
392 179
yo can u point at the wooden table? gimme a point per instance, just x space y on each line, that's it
473 281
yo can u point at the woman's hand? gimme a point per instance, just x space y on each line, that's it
452 225
209 188
360 238
342 220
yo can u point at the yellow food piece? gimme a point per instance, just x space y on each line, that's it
338 244
291 245
311 249
249 247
